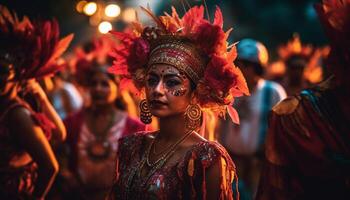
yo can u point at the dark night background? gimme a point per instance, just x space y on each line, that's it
271 21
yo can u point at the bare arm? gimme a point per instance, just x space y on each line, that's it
59 132
217 179
33 140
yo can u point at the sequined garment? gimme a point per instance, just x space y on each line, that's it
183 180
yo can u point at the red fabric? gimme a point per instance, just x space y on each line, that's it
17 183
307 150
184 179
73 124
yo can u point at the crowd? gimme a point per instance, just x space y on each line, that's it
173 111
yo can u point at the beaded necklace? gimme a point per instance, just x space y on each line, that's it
156 165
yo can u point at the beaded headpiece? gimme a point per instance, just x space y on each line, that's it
32 47
192 44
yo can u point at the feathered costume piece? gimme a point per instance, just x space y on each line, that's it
93 54
312 71
32 47
192 44
335 18
294 47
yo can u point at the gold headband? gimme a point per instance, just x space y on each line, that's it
179 54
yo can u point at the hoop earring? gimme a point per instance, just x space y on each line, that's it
145 114
193 116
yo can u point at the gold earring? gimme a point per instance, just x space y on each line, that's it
145 114
193 116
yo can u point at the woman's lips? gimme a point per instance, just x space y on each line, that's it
156 103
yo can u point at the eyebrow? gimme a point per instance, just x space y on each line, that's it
167 75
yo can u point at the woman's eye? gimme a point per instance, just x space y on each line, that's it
105 84
172 83
92 83
152 81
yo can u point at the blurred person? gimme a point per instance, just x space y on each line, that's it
308 144
93 134
64 96
296 58
28 48
246 140
183 71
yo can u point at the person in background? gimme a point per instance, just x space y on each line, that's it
28 165
295 57
64 96
93 133
308 142
246 140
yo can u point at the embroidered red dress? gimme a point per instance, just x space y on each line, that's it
183 180
17 182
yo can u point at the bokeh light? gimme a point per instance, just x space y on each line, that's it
90 8
129 15
80 6
104 27
112 10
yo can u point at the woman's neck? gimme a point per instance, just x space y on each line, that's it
173 127
102 109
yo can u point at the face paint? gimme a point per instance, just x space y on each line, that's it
168 90
180 92
173 81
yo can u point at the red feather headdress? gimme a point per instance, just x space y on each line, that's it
295 47
218 80
32 47
313 70
94 54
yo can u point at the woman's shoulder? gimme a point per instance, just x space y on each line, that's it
135 139
208 153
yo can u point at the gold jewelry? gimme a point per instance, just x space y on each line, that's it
145 114
154 166
193 116
169 149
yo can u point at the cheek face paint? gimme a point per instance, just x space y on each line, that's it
163 73
179 92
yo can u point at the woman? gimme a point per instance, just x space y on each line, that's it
94 131
28 165
182 65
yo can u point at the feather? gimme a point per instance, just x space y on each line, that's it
155 18
60 47
233 114
192 19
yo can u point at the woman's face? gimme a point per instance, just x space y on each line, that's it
102 89
168 90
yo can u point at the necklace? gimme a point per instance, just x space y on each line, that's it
167 150
100 148
153 166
